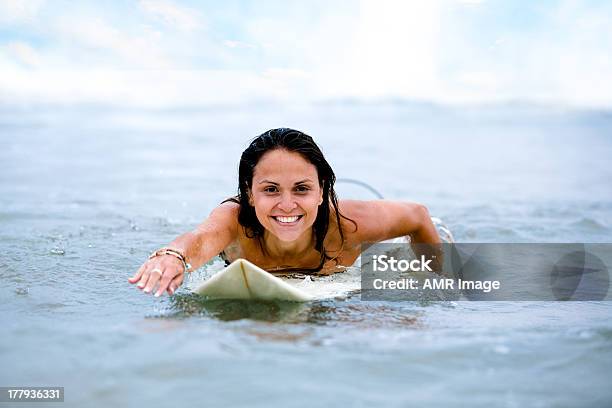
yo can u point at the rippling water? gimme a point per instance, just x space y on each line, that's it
86 194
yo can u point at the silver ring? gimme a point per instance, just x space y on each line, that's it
157 270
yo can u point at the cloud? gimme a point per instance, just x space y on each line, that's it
552 56
238 44
22 53
470 2
137 88
439 51
394 47
19 10
178 17
108 45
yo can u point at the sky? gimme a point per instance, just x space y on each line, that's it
171 53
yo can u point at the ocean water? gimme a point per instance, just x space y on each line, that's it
87 192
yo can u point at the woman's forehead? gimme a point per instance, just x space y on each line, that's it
282 165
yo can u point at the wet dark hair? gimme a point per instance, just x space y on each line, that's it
298 142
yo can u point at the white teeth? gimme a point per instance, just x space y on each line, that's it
287 219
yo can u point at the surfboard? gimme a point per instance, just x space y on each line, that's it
244 280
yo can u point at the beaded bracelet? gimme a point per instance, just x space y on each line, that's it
175 253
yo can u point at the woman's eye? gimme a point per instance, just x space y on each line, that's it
300 189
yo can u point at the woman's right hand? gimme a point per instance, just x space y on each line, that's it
166 272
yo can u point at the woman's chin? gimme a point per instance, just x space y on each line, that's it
286 237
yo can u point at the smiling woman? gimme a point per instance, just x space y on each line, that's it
286 217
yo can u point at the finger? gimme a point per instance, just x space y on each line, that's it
174 285
169 273
145 277
137 275
154 275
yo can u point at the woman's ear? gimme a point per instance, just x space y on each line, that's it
251 202
322 191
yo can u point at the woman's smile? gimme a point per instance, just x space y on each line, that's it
287 221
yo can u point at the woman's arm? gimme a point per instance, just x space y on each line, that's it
210 237
198 246
381 220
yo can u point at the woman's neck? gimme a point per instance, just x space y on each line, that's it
283 250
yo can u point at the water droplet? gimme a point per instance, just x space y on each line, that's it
22 291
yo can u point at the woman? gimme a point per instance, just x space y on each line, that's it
285 217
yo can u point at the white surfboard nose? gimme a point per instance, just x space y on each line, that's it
245 280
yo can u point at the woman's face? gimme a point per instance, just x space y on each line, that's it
286 194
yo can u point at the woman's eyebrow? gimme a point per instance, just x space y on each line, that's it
268 181
303 181
296 183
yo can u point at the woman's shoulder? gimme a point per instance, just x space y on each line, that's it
360 211
353 206
356 217
376 220
225 216
229 208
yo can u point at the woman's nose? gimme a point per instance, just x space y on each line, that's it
287 204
